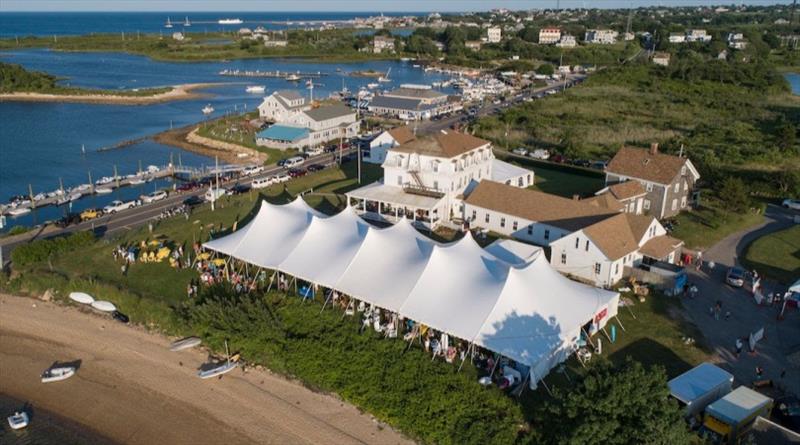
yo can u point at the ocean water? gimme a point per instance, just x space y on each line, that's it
794 82
41 143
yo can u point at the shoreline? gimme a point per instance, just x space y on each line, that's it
178 92
131 389
179 138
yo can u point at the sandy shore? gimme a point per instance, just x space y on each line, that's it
178 92
186 138
133 390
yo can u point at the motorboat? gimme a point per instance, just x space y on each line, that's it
81 297
103 190
19 211
293 78
58 374
136 181
255 89
185 343
75 196
208 109
372 86
18 421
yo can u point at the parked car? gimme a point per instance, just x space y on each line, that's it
92 213
793 204
213 194
193 200
283 177
540 153
314 151
261 183
558 159
293 162
297 172
187 186
331 148
253 170
520 151
281 162
237 189
316 167
118 206
599 165
72 218
581 163
154 196
735 277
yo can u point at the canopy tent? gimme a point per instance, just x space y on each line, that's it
400 252
539 314
457 289
228 244
327 248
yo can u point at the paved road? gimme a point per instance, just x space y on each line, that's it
132 218
781 337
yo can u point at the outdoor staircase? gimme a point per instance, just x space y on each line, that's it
418 188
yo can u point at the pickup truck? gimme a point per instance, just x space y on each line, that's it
118 206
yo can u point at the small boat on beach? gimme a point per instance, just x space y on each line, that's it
255 89
185 343
221 369
104 306
208 109
81 297
58 374
18 421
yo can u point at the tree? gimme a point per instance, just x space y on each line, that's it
788 182
733 194
546 69
616 405
786 135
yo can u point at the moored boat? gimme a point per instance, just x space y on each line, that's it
103 190
19 211
58 374
208 109
255 89
185 343
18 421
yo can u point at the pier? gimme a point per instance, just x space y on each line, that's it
288 75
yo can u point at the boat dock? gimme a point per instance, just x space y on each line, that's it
273 74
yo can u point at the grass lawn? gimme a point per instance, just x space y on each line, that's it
776 255
237 130
707 225
566 184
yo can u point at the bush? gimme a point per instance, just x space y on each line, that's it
41 250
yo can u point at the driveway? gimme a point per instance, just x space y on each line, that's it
781 337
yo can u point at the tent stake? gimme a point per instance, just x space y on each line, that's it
620 323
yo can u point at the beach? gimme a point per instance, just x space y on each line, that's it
131 389
178 92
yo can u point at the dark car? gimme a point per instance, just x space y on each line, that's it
281 163
238 189
193 201
72 218
330 148
297 172
120 317
187 186
348 157
787 412
581 163
315 167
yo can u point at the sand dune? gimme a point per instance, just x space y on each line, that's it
133 390
178 92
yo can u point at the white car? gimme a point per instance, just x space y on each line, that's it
540 154
314 151
253 170
283 177
520 151
153 197
293 162
793 204
118 206
261 183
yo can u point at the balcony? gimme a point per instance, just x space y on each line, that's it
422 191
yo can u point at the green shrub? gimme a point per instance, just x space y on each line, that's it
40 250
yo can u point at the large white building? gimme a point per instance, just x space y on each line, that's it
425 178
549 36
414 102
601 36
375 152
301 125
588 239
494 34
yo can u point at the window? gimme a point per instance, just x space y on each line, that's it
677 187
597 268
514 226
474 215
399 180
675 204
587 245
649 187
683 202
436 185
530 229
647 204
546 234
616 268
577 241
563 258
683 170
436 167
685 185
502 222
520 182
487 217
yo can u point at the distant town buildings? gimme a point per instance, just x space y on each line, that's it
567 41
661 58
601 36
736 40
494 34
549 36
382 44
414 102
474 45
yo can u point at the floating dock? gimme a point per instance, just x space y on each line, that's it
272 74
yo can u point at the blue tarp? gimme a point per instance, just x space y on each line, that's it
284 133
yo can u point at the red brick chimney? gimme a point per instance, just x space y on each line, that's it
654 148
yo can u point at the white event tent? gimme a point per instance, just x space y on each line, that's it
526 311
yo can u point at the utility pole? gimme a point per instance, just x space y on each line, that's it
794 7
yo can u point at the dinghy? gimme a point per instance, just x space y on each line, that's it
221 369
186 343
18 420
58 374
81 297
105 306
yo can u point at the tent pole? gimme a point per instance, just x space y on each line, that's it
413 335
620 323
496 361
575 351
350 303
631 311
606 332
588 337
465 357
271 280
524 381
546 387
330 293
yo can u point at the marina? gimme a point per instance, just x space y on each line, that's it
295 75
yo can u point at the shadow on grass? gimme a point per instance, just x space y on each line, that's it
650 352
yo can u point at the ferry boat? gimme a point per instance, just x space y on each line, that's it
168 24
208 109
230 21
255 89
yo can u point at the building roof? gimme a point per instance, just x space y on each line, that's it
625 190
289 94
326 112
639 224
397 103
536 206
414 93
402 134
698 381
605 201
503 171
280 132
613 236
660 247
284 96
642 164
447 144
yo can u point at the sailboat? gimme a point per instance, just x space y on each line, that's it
208 109
385 78
221 369
187 22
168 24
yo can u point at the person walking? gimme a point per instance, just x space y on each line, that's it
739 346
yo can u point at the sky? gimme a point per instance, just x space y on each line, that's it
340 5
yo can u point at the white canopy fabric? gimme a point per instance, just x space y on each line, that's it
327 248
457 289
539 315
526 311
399 252
282 229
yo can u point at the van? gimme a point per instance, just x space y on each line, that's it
293 162
261 183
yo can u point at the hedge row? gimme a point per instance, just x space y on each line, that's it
41 250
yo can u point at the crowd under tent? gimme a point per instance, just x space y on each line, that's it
506 298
